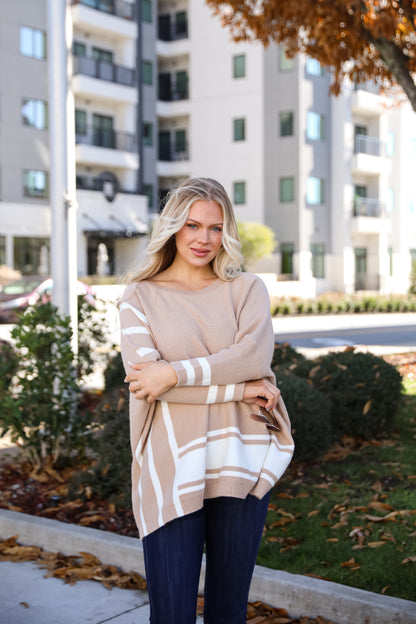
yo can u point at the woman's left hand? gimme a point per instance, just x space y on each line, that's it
261 392
150 380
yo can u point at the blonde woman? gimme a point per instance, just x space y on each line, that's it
197 344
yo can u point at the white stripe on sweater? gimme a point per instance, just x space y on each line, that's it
212 394
134 330
140 315
206 371
155 479
145 351
190 372
174 449
229 392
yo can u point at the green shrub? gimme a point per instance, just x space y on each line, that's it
114 373
109 477
363 390
9 362
40 411
309 412
285 354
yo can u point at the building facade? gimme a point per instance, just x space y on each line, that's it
162 93
112 206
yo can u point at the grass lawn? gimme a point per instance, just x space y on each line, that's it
351 517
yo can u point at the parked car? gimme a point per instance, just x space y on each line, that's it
16 296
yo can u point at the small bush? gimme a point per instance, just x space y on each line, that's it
9 362
309 412
285 354
109 478
363 390
40 410
114 373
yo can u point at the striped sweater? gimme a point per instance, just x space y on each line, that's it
197 440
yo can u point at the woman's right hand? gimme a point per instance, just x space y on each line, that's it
261 392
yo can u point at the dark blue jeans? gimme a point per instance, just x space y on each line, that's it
230 529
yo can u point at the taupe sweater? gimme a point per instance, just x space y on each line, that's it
198 440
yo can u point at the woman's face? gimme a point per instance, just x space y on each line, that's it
200 239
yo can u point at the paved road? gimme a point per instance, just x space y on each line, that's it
379 333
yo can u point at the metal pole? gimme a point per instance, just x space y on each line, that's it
62 164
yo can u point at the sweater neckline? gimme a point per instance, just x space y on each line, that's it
185 292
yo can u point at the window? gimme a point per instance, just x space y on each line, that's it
32 42
239 129
313 67
180 142
29 253
147 134
286 123
147 12
80 121
287 251
239 192
35 113
390 144
182 85
390 253
79 49
35 183
148 191
318 260
315 126
99 54
147 69
239 66
103 131
413 259
315 191
286 189
286 64
181 24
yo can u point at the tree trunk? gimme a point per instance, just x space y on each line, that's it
397 63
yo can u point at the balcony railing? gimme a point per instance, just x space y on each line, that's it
173 154
102 137
370 145
91 183
102 70
119 8
366 207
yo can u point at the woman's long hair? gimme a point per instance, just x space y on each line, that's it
161 249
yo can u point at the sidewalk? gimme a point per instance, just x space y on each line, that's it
51 601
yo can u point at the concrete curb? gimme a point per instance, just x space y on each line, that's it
300 595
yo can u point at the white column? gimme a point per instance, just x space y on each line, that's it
62 169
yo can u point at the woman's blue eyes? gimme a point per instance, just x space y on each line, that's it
193 226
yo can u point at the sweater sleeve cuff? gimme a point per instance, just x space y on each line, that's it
181 373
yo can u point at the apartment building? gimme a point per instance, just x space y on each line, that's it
162 93
331 176
111 186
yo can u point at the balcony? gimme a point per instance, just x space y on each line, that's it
173 161
369 216
103 137
172 91
119 8
114 18
95 183
102 70
367 100
370 156
367 207
105 147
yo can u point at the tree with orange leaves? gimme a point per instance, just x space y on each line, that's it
359 39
